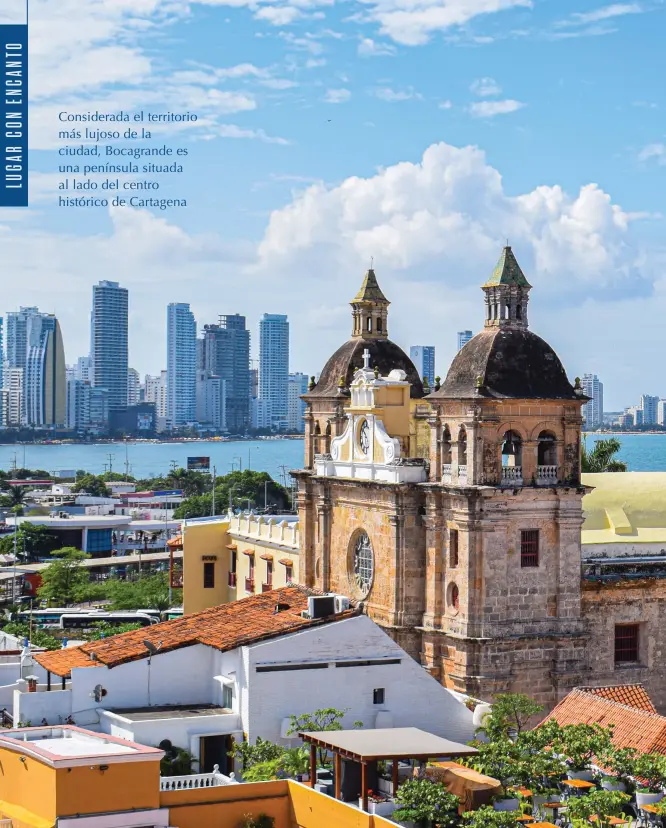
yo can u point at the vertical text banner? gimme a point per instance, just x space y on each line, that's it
14 106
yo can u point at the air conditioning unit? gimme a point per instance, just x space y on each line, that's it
341 603
321 606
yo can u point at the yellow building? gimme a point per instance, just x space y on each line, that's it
73 778
225 558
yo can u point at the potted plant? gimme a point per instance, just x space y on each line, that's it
295 762
580 744
379 804
650 770
425 804
489 818
501 760
602 804
621 766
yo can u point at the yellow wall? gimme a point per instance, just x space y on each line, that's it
125 786
279 570
28 785
200 539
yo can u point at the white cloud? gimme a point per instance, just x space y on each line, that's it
606 13
337 96
385 93
655 152
486 87
278 15
436 229
368 47
445 105
489 109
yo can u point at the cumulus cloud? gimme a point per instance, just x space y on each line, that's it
485 87
435 229
385 93
337 96
653 152
368 47
489 109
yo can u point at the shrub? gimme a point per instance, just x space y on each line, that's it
426 803
651 769
488 817
604 804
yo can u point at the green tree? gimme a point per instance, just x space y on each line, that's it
581 743
604 804
326 718
148 592
102 629
91 484
260 752
488 817
426 803
193 483
239 489
38 637
32 540
510 713
602 457
64 580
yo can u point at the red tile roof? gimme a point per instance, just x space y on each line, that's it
226 627
633 695
633 727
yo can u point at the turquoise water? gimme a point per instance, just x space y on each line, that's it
642 452
154 459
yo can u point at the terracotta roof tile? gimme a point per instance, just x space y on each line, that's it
226 627
633 695
634 727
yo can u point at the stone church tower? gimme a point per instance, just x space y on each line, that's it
455 517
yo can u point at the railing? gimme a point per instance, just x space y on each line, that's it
249 585
546 475
462 474
513 475
6 720
267 587
6 823
232 579
446 473
195 780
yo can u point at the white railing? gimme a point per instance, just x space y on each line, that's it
462 474
196 780
546 474
512 475
446 473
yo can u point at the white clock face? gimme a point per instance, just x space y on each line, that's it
364 437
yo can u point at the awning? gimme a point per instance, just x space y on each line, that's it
231 546
248 552
266 557
286 562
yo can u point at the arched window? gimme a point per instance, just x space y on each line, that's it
519 311
446 446
512 449
317 429
379 325
328 429
507 313
462 447
369 325
454 598
547 449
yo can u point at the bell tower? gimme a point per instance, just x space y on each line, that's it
370 310
507 294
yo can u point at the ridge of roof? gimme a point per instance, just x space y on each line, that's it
225 627
634 695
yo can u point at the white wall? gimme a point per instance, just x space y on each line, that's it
412 696
54 706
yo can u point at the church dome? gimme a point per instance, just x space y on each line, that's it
369 330
386 355
507 363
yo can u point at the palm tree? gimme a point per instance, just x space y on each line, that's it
601 458
17 495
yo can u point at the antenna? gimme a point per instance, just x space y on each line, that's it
372 261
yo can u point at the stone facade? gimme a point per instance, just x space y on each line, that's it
477 565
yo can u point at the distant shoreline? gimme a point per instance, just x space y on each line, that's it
156 442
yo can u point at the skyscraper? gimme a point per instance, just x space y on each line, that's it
181 365
649 409
224 352
463 338
108 345
593 411
17 331
298 385
274 367
2 355
45 383
133 386
423 357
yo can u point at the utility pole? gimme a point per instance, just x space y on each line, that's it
266 495
126 461
111 459
174 465
15 555
213 512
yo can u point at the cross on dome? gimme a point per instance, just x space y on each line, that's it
366 359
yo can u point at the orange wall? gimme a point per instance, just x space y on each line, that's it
30 784
123 787
227 805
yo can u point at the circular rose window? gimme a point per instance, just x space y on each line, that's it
364 563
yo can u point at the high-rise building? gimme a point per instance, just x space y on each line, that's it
133 386
17 333
274 367
224 352
211 401
108 345
463 338
156 392
593 411
297 386
181 365
661 412
12 381
649 408
83 370
45 378
2 359
423 357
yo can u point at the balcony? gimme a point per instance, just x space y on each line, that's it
462 475
249 585
232 580
446 473
512 475
194 781
546 475
267 587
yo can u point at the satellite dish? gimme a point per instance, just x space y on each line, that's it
152 649
99 692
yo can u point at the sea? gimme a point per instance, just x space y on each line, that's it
641 452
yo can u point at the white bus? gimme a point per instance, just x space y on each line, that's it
88 620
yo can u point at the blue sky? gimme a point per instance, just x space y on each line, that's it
421 132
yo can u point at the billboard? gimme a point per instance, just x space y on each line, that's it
198 463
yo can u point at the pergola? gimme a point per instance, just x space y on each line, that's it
383 744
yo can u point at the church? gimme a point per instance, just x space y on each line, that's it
453 510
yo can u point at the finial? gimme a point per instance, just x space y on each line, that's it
312 384
366 359
341 382
438 383
426 384
479 381
578 388
376 371
372 262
